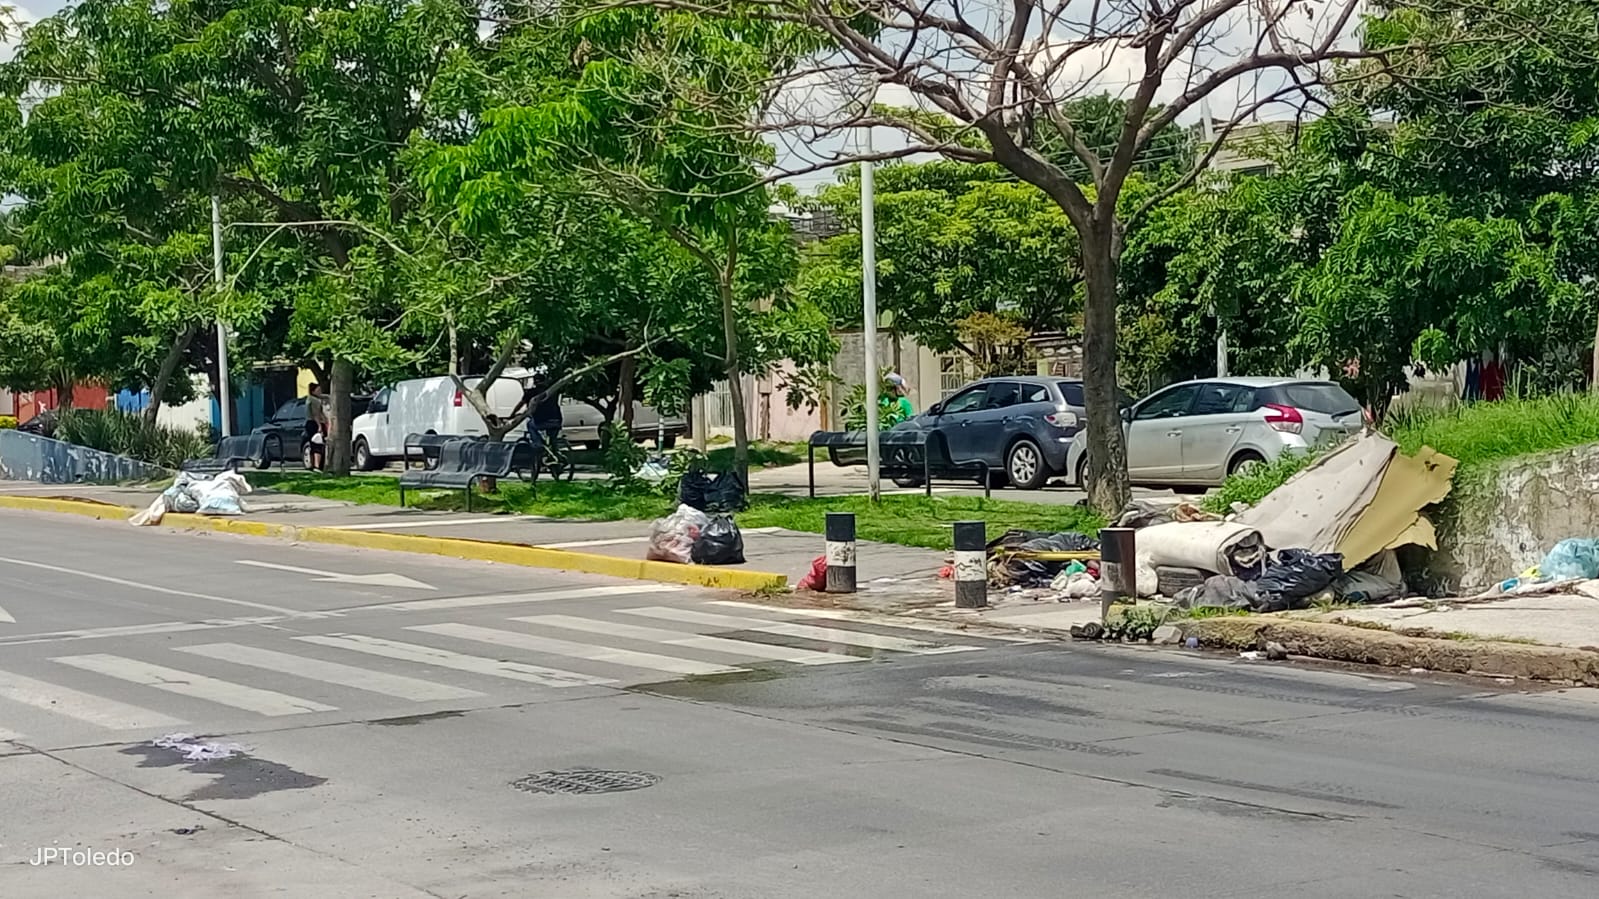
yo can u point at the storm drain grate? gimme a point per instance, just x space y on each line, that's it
585 781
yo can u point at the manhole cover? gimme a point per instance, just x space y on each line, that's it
584 781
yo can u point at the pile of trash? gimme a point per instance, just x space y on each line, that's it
1328 534
702 530
217 495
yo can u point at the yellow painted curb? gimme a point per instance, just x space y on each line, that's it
64 506
454 547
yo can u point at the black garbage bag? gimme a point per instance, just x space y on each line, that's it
719 543
1037 572
707 492
1294 576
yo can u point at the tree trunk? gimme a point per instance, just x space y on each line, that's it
338 440
455 345
735 387
624 392
163 375
1108 490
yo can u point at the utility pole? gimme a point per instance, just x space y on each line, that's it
225 401
869 312
1208 129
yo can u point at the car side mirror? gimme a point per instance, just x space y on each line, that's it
1127 414
935 409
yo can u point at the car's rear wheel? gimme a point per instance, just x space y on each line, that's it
1025 465
1245 462
363 455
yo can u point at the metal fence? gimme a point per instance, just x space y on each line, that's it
25 457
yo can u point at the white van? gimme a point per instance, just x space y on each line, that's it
423 406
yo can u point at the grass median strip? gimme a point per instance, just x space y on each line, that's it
907 520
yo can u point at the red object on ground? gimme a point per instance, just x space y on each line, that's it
817 579
947 572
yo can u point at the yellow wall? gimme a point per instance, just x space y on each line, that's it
304 381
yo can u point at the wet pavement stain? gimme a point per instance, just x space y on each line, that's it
238 777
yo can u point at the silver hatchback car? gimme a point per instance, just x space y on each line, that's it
1199 432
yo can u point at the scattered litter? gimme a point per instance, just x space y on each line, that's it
1093 630
816 578
1033 558
1250 655
1276 652
1504 680
1576 557
719 543
197 751
1075 585
653 471
1220 591
1418 671
188 831
947 572
1192 643
1167 634
672 538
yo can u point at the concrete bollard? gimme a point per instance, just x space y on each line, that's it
971 564
840 533
1118 567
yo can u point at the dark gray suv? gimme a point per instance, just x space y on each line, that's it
1021 426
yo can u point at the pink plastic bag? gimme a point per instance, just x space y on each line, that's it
817 579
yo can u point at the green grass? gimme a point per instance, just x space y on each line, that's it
1251 486
762 455
1483 434
906 520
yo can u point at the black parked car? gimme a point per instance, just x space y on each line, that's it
1022 426
289 424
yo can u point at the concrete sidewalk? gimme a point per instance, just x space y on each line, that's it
884 567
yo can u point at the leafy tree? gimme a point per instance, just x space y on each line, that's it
1010 79
953 240
649 111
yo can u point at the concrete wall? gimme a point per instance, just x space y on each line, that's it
26 457
1492 528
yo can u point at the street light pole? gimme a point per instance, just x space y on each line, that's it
225 401
869 313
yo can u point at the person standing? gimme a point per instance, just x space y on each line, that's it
897 406
316 426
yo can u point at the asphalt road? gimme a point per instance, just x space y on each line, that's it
384 728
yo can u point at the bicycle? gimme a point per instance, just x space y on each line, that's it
551 453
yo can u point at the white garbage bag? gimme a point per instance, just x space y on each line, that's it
214 496
220 495
672 538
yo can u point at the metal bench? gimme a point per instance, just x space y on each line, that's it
233 452
921 454
462 462
427 447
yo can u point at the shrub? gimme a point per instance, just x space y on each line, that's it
125 433
7 422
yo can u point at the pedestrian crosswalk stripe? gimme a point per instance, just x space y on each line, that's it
84 707
692 641
462 602
804 631
330 672
251 699
935 627
443 658
628 657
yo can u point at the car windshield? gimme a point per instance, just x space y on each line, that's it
1328 399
